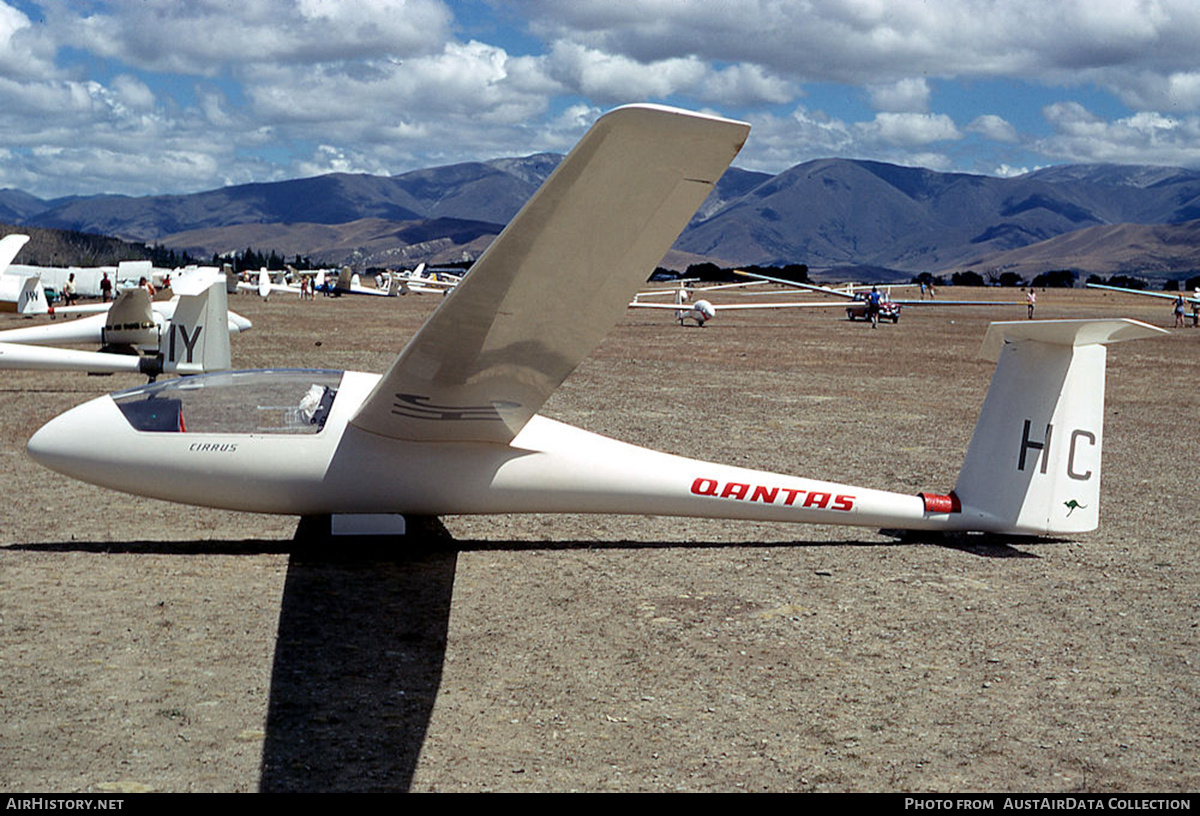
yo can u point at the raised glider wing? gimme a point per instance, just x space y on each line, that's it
188 334
857 307
452 427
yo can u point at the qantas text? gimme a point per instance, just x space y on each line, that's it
787 496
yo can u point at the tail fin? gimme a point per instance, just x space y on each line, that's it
197 337
32 298
394 285
1033 465
130 321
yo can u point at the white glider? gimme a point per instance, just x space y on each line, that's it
1193 299
452 427
420 283
347 283
857 307
701 311
135 334
263 286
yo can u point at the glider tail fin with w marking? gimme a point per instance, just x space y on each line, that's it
1033 464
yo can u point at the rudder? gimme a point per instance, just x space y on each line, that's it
197 337
1033 464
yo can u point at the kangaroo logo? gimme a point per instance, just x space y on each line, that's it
1073 505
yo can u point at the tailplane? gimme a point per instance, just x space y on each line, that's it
1033 465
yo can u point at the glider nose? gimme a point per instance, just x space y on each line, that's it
73 442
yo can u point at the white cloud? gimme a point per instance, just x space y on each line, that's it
903 96
1144 138
615 78
746 84
993 127
204 37
274 88
911 129
26 52
878 43
1007 171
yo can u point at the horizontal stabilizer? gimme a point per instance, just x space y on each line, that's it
1064 333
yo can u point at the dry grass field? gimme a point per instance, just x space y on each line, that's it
147 646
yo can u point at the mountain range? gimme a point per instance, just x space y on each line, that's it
825 213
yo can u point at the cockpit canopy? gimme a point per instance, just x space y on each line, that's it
282 401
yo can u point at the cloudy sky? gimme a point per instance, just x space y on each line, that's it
163 96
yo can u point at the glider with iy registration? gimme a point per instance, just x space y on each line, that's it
188 334
454 427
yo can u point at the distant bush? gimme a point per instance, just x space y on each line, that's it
1124 281
1057 279
966 278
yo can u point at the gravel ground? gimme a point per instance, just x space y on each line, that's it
148 646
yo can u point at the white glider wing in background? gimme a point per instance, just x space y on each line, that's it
1191 299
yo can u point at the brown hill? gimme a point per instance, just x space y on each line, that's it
365 242
1167 250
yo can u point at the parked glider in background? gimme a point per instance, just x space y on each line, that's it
702 310
857 299
348 283
420 283
22 294
265 287
1192 301
452 427
188 334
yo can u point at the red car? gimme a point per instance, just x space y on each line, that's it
887 311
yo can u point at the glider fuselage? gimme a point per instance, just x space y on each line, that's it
301 469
